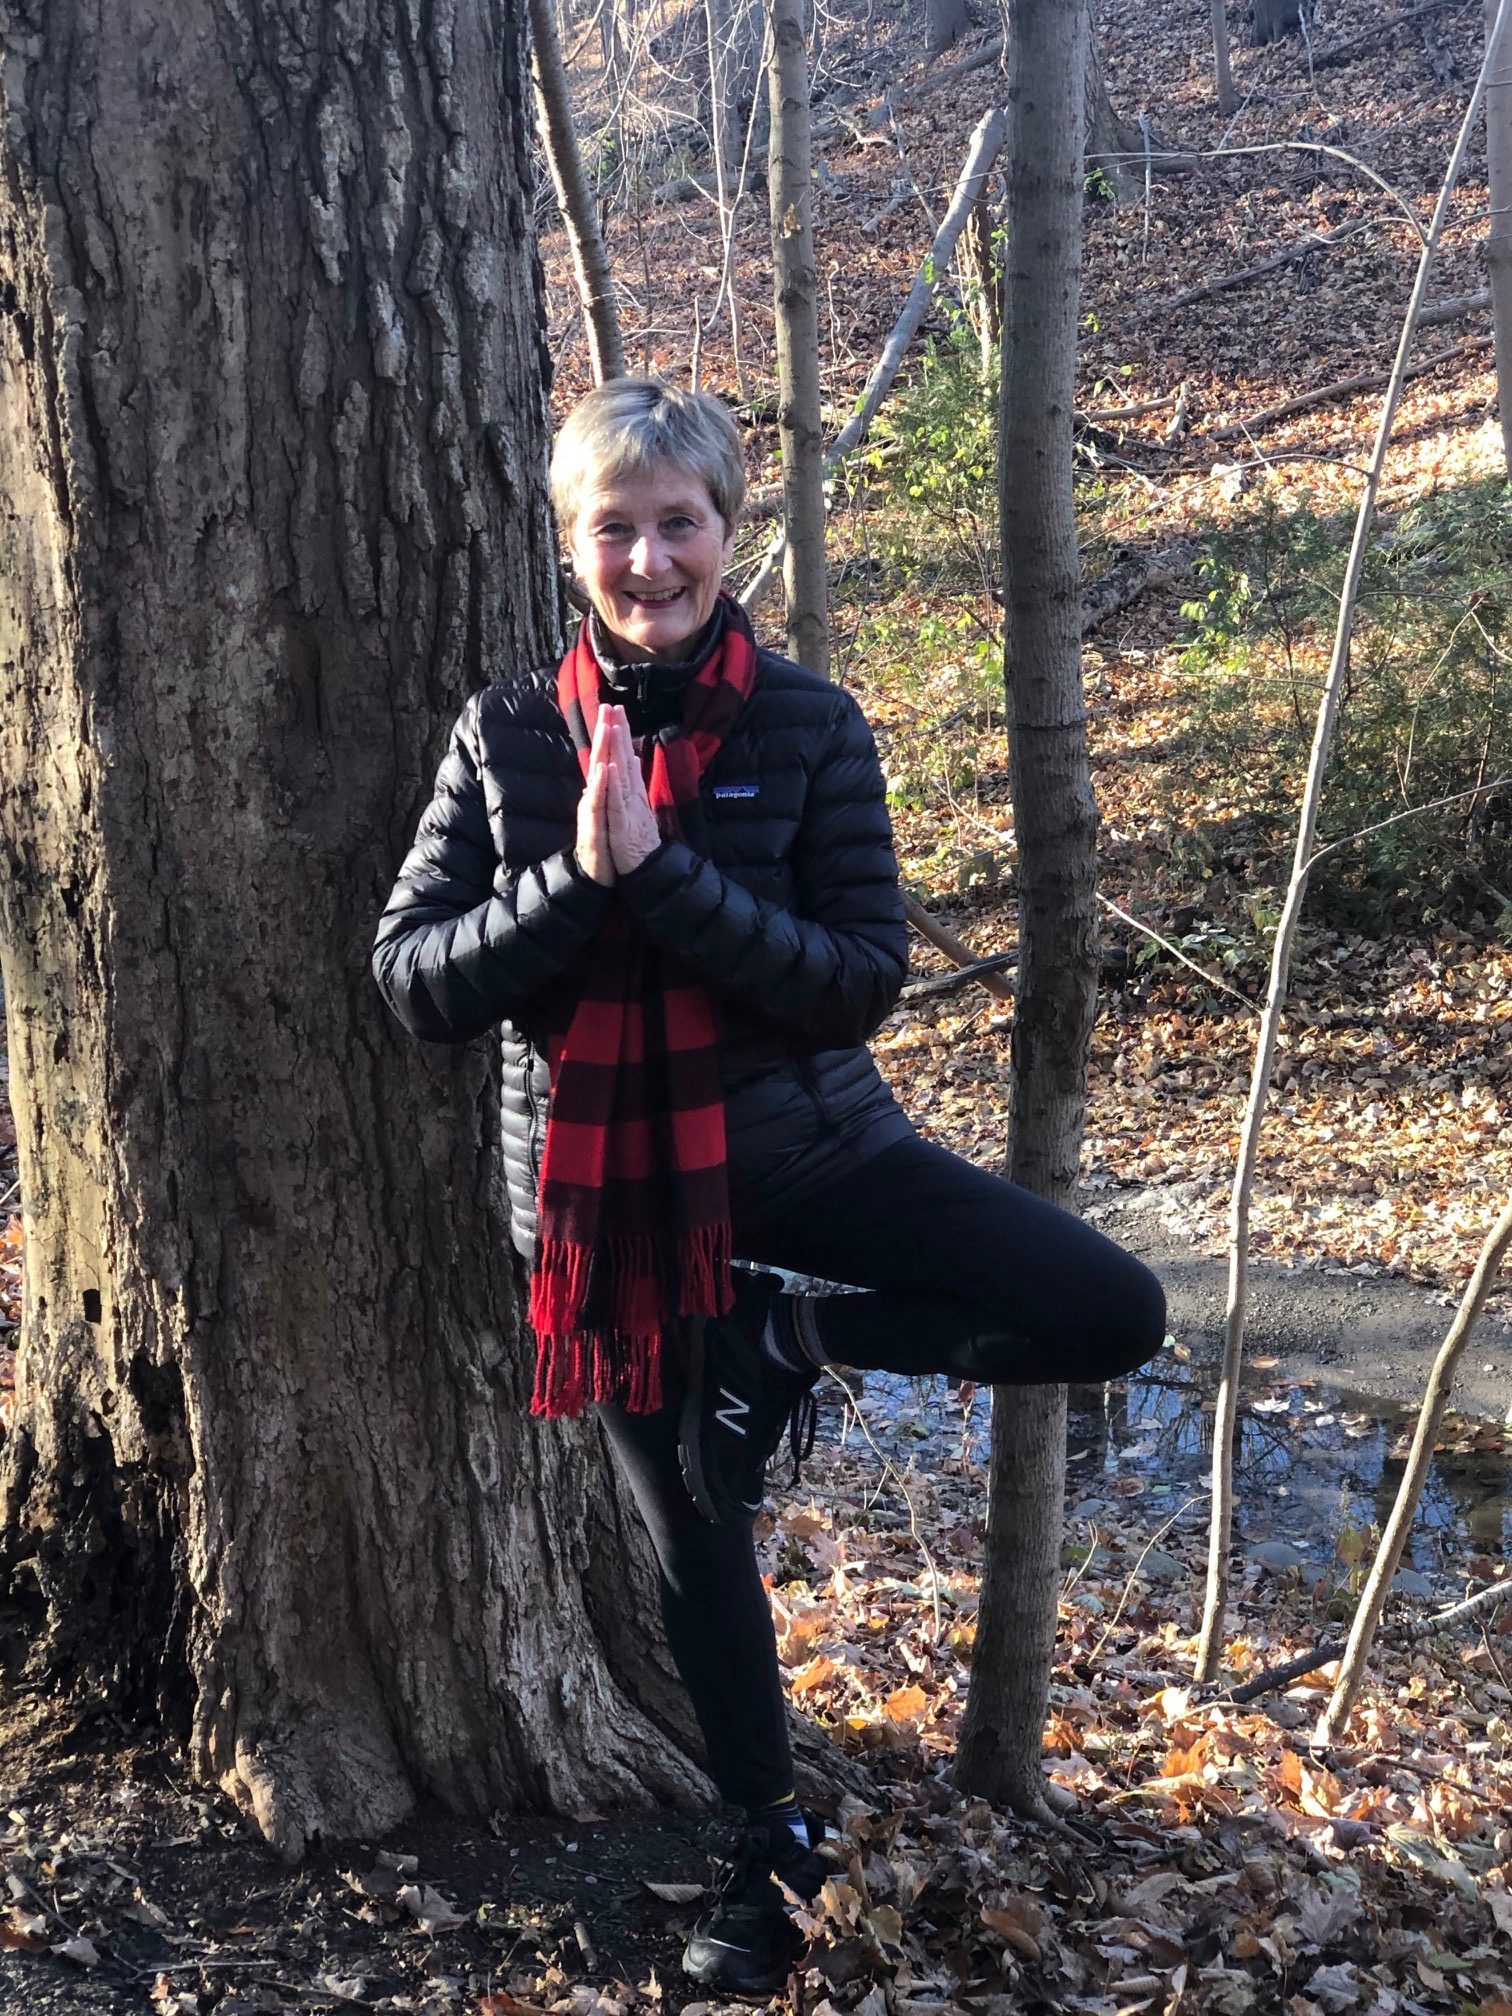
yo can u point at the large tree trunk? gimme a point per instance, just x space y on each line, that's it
272 444
1222 68
945 22
795 280
1055 820
1499 230
1271 19
580 219
1115 150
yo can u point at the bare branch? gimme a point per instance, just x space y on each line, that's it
1215 1604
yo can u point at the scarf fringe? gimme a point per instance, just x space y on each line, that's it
598 1366
576 1365
703 1263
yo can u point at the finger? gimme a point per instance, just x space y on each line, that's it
623 748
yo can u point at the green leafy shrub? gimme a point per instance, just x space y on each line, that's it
1425 712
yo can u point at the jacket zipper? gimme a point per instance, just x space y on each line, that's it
805 1075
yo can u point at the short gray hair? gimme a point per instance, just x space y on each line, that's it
628 426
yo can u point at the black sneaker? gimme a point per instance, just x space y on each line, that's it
738 1402
745 1943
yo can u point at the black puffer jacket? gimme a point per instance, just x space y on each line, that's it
783 895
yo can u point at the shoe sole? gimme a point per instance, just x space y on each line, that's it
753 1991
688 1453
754 1988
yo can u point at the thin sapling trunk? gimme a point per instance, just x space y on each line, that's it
1220 1532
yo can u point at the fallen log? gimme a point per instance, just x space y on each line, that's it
1407 1633
1127 580
1360 381
939 984
1315 241
1454 308
906 98
944 940
1345 52
1102 416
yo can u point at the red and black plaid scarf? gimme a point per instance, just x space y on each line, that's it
633 1217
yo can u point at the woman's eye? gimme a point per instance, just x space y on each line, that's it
614 530
678 524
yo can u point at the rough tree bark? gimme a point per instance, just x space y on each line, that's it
580 219
795 280
1499 230
724 113
272 444
1056 821
982 280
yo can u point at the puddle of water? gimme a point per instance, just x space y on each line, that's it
1312 1462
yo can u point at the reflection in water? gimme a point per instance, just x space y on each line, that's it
1312 1461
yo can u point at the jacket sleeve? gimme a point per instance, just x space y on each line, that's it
464 942
828 967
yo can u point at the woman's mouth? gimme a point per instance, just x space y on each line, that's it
662 600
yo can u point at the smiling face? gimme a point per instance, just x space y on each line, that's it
650 550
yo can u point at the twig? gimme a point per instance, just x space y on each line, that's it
1408 1632
1292 147
1412 812
1315 241
1341 52
1149 931
896 201
1215 1600
903 100
1157 1536
892 1471
1361 381
1100 416
944 940
1420 1456
985 142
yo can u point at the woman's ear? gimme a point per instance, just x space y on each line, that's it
574 594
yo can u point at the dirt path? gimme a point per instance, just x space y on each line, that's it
1368 1334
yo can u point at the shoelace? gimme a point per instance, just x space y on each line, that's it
735 1878
803 1426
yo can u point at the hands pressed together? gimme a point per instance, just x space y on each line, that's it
616 828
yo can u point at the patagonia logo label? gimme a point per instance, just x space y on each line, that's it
736 790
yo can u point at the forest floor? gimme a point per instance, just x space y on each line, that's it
1214 1862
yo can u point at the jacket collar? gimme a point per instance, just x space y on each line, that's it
653 684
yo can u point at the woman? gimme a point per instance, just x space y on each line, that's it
666 869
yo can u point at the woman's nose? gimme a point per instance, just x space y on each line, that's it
648 555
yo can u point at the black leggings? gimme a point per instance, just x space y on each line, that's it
966 1274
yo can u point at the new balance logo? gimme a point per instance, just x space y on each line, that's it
732 1415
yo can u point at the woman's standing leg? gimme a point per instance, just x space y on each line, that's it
715 1608
719 1629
